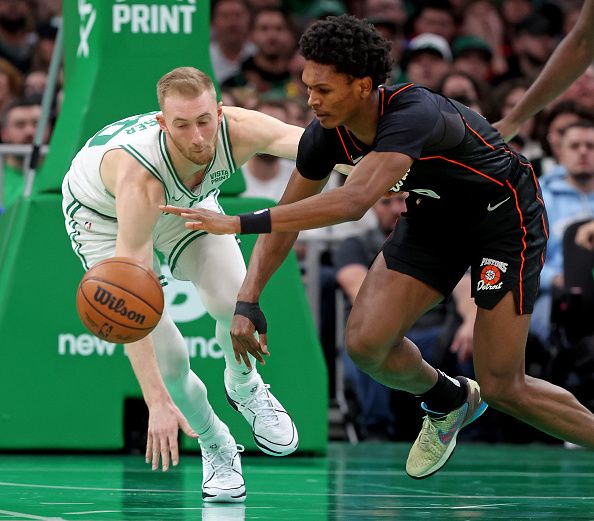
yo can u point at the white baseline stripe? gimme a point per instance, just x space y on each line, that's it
297 494
29 516
322 472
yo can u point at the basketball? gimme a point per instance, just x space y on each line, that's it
119 300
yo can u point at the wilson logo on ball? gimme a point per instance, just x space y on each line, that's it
118 305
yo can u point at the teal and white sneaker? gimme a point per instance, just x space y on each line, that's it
222 478
437 440
272 428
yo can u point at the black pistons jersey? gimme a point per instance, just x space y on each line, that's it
472 201
455 149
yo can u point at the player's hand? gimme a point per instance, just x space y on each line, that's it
584 236
161 442
462 342
243 337
207 220
507 129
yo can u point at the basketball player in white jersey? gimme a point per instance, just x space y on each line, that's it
112 194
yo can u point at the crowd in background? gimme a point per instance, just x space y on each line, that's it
483 53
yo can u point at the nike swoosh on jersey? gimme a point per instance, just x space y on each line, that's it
494 207
355 160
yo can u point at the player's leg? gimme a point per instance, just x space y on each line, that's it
93 239
215 264
499 341
222 479
387 305
187 390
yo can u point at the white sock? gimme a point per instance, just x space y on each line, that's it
235 374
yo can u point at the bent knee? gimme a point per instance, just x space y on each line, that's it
503 393
367 352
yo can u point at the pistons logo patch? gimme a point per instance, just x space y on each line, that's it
491 273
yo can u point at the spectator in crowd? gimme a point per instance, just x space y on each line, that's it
516 11
265 175
569 60
35 83
482 19
230 45
268 69
389 10
505 97
428 60
569 197
395 35
323 8
532 43
11 83
473 56
466 89
18 125
17 43
435 17
44 48
562 114
581 89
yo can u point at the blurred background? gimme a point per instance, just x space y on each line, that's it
483 53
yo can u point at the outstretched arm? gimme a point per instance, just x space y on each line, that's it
373 176
137 197
569 60
268 254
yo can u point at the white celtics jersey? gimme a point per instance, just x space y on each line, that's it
142 138
90 210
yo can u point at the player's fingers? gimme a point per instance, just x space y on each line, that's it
254 351
191 215
263 341
165 452
155 455
173 447
246 360
149 448
197 225
167 208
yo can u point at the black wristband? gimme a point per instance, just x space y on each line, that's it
252 311
255 222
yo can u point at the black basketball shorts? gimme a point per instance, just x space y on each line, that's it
500 232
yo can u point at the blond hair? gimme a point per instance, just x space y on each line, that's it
187 81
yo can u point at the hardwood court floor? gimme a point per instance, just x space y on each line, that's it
364 482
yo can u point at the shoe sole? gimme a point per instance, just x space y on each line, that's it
224 498
265 448
450 450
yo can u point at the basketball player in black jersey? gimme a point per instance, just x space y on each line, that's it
473 203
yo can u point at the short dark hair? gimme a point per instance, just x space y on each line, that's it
351 45
29 101
581 123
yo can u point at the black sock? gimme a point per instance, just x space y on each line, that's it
444 396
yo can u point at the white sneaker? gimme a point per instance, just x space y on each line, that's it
222 480
272 427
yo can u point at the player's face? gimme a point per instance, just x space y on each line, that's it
192 124
577 152
334 97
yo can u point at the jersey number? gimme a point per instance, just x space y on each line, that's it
106 133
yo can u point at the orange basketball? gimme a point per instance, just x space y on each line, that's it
120 300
